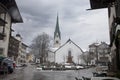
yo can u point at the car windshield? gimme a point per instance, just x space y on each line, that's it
59 39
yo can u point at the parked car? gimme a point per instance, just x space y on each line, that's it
39 68
6 65
97 78
10 64
104 78
79 67
3 66
99 74
68 66
102 68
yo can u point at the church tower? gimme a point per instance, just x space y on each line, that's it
57 35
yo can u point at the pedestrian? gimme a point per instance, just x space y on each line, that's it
14 65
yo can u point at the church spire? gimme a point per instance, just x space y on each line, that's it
57 35
57 30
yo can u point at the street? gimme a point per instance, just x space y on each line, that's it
30 73
59 40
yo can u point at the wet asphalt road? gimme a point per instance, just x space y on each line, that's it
31 73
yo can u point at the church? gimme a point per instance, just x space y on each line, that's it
68 52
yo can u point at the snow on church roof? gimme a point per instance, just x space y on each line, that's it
53 49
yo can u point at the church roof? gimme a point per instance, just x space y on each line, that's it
69 40
57 30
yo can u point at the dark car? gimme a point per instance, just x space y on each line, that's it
9 63
3 66
6 65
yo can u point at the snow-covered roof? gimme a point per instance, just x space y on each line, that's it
53 49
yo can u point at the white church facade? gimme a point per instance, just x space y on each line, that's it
69 52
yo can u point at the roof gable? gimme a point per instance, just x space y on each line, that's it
69 41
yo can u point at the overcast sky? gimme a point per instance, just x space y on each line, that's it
82 26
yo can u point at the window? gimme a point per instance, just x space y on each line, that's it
1 51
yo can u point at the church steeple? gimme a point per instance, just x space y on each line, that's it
57 30
57 35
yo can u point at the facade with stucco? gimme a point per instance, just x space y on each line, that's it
9 14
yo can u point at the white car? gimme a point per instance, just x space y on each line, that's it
39 68
79 67
104 78
68 66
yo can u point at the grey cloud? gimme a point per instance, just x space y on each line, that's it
82 26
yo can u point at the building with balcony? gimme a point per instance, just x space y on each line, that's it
93 53
104 57
13 48
23 58
9 14
99 53
22 50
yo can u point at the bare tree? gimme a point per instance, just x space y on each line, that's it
40 46
86 58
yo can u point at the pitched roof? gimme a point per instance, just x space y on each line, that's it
69 40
